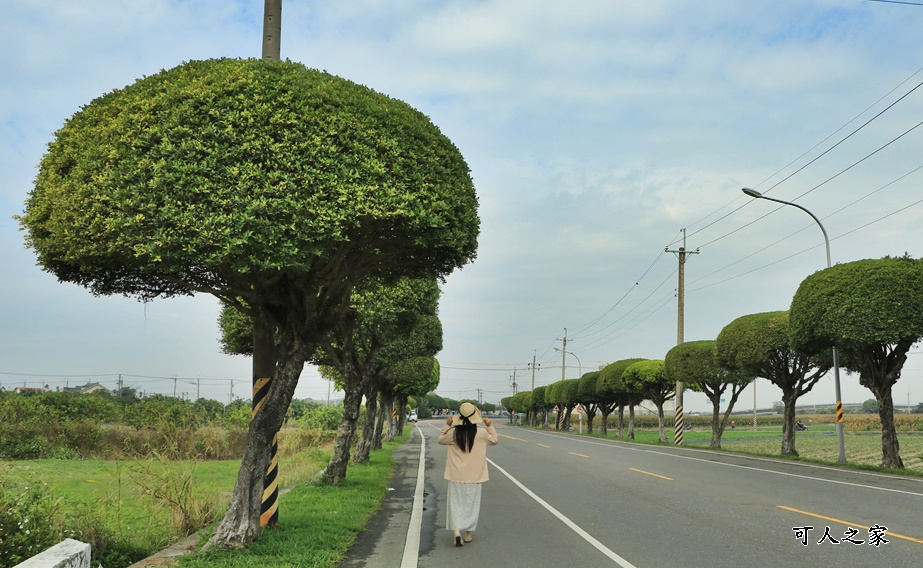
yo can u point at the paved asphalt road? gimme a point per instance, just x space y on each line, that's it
556 499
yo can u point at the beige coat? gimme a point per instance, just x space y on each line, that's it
467 467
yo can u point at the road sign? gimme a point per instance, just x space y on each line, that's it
580 409
557 408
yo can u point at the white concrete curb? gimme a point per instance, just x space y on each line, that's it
68 553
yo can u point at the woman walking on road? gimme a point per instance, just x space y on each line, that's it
466 467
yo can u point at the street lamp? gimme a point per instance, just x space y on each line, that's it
836 361
579 366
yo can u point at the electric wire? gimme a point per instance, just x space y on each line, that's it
838 174
807 226
875 117
883 217
620 300
826 181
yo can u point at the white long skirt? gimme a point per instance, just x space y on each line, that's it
463 506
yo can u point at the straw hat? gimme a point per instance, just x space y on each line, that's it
468 411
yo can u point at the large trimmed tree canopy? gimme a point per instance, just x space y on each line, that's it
872 311
274 187
194 176
858 305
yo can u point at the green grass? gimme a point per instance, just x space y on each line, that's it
319 523
110 487
111 490
818 444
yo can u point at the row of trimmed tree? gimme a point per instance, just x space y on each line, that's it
382 353
283 191
870 310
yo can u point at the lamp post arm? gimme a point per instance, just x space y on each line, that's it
813 216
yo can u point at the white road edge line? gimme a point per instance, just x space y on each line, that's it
586 536
412 545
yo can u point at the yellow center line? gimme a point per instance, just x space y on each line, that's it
847 523
544 446
576 454
512 438
649 473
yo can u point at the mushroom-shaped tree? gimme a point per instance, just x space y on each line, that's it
272 186
760 343
695 362
872 312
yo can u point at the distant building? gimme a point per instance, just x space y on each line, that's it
89 388
30 389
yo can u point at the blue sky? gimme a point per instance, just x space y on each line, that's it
595 132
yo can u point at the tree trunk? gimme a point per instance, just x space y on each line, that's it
604 412
352 403
890 447
631 421
241 523
663 433
385 412
367 438
789 401
716 427
590 416
402 418
400 402
621 423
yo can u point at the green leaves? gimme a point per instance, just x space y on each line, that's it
225 167
859 304
749 342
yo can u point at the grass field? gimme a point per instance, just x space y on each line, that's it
819 443
320 522
119 494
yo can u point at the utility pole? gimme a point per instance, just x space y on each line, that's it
534 365
514 381
272 29
174 386
680 323
264 347
564 354
198 384
231 394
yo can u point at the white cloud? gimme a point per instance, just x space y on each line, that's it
595 131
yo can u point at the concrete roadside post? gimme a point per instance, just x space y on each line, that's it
68 553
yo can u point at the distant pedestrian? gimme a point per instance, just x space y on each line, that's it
466 468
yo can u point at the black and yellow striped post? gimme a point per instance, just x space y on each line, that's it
269 505
678 426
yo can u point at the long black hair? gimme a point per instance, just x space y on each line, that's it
464 434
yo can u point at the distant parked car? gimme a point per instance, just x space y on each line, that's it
413 416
